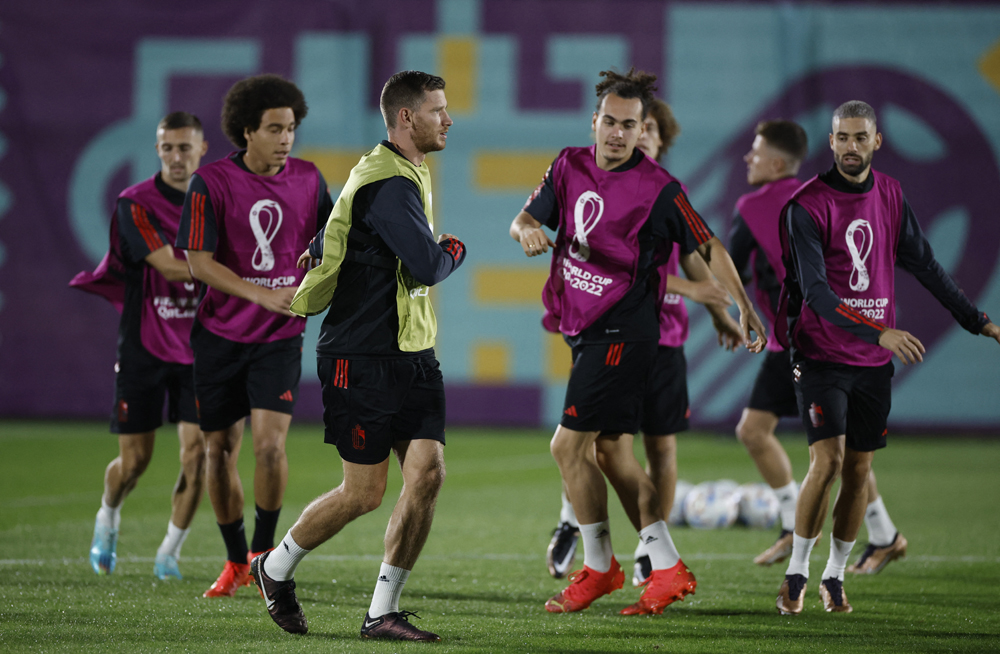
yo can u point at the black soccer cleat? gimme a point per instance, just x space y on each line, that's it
395 626
562 549
280 598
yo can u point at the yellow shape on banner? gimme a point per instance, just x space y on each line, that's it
493 285
335 165
989 66
510 171
558 358
458 63
490 361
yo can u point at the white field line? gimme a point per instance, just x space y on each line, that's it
338 558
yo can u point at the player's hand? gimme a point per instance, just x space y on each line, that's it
710 291
992 331
444 237
535 241
750 322
728 330
278 300
904 345
307 261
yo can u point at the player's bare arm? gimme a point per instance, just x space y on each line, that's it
715 297
206 269
699 286
174 269
715 255
991 331
528 232
903 344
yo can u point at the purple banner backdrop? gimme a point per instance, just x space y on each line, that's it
965 177
69 72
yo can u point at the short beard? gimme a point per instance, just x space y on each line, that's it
853 170
426 142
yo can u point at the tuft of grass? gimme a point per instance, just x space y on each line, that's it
481 581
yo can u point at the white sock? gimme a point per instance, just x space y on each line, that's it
881 531
109 516
839 551
280 564
388 588
787 496
663 554
798 563
567 514
173 541
597 552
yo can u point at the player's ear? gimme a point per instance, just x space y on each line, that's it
878 140
204 148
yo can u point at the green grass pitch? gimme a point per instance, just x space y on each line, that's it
481 581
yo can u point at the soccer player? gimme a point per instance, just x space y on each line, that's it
151 285
382 386
246 218
772 164
617 214
665 408
842 234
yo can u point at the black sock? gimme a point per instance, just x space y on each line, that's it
263 531
236 541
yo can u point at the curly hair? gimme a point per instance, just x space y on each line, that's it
666 123
635 84
249 98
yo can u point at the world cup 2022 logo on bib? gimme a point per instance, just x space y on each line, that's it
586 214
263 256
859 248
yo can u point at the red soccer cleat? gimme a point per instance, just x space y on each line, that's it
233 576
663 588
586 586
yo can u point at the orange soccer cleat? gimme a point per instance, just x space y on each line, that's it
233 576
663 588
586 586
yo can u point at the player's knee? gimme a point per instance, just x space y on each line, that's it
564 450
430 480
193 458
827 468
270 454
134 463
855 472
750 435
364 500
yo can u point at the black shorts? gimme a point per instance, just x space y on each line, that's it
665 408
231 378
370 404
773 390
607 386
836 399
142 383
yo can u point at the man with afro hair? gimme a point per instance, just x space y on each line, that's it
246 219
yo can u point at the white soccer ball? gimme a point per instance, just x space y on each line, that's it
708 506
676 517
759 506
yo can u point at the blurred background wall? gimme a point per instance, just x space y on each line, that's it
82 86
